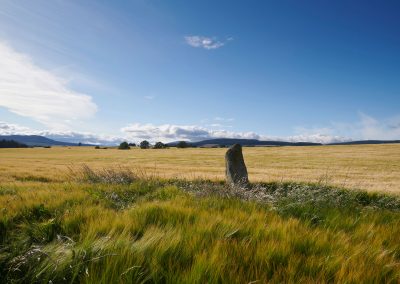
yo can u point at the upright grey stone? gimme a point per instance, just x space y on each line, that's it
236 171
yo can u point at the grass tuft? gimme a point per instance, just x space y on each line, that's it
106 175
26 178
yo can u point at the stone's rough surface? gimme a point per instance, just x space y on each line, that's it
236 171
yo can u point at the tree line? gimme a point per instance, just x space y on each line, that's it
11 144
158 145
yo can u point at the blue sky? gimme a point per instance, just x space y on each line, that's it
104 71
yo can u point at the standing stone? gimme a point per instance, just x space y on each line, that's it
236 171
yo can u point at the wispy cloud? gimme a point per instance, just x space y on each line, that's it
219 122
31 91
372 128
205 42
365 128
149 98
223 119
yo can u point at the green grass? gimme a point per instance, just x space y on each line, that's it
98 230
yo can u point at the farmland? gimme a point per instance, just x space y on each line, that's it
367 167
80 215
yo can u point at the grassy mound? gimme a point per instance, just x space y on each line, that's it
152 231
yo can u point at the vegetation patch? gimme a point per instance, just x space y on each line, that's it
32 178
106 175
98 230
11 144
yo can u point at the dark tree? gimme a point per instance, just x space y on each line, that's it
124 146
159 145
144 144
132 144
182 144
11 144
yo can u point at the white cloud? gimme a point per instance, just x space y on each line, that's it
366 128
371 128
28 90
322 135
316 138
170 132
149 97
204 42
83 137
11 129
165 133
65 136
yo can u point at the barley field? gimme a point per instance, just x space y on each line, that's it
367 167
80 215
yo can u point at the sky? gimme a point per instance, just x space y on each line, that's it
107 71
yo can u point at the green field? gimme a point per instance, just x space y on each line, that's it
131 217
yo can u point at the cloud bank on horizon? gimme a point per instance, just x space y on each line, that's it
366 128
137 132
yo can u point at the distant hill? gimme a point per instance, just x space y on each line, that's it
36 140
245 142
219 142
362 142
